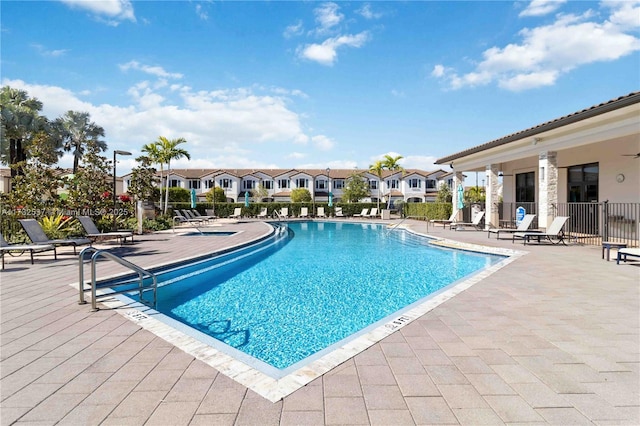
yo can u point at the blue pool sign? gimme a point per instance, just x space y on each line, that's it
520 212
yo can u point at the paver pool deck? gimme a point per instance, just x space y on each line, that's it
551 338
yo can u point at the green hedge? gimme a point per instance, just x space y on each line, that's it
427 211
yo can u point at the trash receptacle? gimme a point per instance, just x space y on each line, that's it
386 214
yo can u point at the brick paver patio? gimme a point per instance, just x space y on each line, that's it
552 338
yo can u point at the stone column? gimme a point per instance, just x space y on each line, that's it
457 180
547 187
492 215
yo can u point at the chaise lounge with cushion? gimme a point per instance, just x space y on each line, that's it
522 227
445 222
5 247
475 223
94 234
37 235
554 233
627 251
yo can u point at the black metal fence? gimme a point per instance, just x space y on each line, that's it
589 223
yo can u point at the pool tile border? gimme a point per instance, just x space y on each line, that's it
276 389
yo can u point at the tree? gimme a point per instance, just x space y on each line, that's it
377 168
92 187
260 193
168 149
78 133
475 194
143 177
444 194
391 163
355 188
300 195
21 122
153 154
216 195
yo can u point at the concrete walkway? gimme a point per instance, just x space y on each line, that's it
553 337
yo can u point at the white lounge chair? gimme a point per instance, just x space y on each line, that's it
93 233
475 223
237 213
363 213
622 253
445 222
338 212
37 235
373 213
553 232
284 212
522 227
304 212
5 247
263 213
320 212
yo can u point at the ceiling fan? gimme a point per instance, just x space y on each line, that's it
632 155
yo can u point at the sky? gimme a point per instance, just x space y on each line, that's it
288 84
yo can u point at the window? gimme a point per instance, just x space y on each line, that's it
225 183
373 184
283 183
209 183
302 183
338 184
392 184
248 184
267 184
415 183
526 187
583 183
431 184
194 184
174 183
322 184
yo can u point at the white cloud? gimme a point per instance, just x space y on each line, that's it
148 69
49 53
223 128
322 142
294 30
327 17
296 155
541 7
202 14
326 53
111 12
367 12
549 51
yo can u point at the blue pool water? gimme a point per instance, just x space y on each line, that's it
327 281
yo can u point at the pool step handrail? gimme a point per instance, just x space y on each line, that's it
142 274
180 219
396 225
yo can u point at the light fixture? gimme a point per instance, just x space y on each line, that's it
115 206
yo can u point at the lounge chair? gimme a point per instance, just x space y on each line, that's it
180 217
622 254
475 223
445 222
373 213
363 213
94 234
338 212
237 213
522 227
196 214
320 212
284 212
5 247
553 232
263 213
37 235
191 216
304 212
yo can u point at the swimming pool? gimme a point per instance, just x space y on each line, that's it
298 298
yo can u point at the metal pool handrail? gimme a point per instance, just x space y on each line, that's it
142 274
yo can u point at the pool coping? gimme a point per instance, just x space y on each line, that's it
275 389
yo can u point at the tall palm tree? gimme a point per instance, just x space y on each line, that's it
78 133
377 168
21 121
169 150
391 163
153 153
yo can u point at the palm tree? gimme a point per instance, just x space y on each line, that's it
169 150
153 153
78 133
377 168
21 121
391 163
